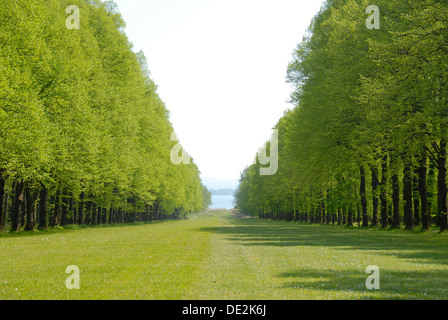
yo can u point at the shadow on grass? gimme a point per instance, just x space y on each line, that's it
71 228
421 247
393 284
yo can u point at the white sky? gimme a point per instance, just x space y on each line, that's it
220 66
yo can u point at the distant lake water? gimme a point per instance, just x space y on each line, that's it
222 202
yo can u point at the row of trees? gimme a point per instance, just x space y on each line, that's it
84 136
367 139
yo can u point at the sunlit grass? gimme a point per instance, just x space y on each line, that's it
153 261
255 259
220 257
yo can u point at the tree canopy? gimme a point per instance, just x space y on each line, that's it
366 139
81 121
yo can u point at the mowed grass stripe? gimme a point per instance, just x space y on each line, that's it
219 257
257 259
153 261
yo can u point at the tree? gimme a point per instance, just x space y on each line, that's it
81 121
376 115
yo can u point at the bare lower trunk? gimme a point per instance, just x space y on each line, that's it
30 203
104 216
72 210
423 190
416 196
375 198
94 214
43 200
111 215
64 209
442 186
22 211
383 193
395 201
81 209
18 201
395 182
350 216
362 193
88 217
407 196
2 197
55 217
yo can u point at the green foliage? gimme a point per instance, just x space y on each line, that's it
363 99
79 111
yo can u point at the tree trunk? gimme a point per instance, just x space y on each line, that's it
119 216
54 219
88 218
36 208
94 214
43 200
383 192
30 203
104 216
423 191
395 201
344 216
362 193
64 209
407 195
81 209
7 207
416 196
111 215
431 185
358 214
23 209
350 216
72 209
442 186
324 213
2 197
375 198
18 200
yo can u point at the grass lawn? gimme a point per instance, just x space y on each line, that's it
257 259
152 261
220 257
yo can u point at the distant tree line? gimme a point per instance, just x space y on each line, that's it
366 141
84 136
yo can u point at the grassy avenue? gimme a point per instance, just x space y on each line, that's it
218 256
